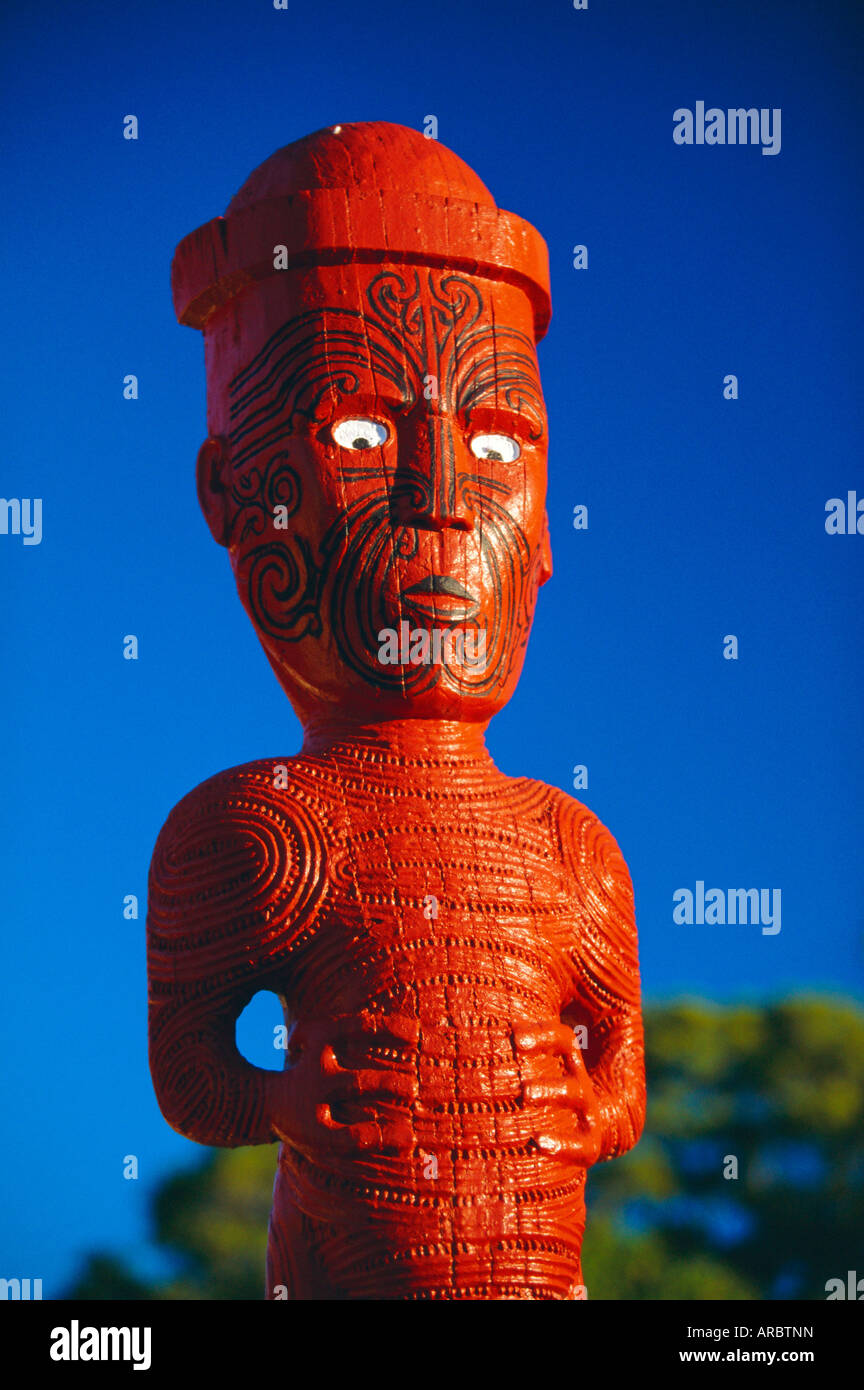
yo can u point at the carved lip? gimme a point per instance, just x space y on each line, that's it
441 584
458 604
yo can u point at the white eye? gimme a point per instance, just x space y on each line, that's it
498 447
359 434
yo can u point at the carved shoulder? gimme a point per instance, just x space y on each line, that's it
236 876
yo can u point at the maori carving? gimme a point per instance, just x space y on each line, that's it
454 949
407 340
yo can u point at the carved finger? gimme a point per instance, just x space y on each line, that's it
397 1136
574 1091
330 1064
580 1148
547 1037
392 1136
567 1090
396 1028
373 1082
364 1134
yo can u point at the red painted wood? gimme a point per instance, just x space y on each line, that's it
455 949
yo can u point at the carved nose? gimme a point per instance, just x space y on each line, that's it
443 506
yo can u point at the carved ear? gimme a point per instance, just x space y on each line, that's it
212 472
545 552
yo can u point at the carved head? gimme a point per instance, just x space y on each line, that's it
376 460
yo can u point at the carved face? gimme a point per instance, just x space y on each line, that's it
380 479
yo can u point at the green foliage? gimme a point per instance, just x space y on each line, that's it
779 1088
105 1276
639 1266
216 1220
213 1220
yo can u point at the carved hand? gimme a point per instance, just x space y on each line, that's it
569 1117
323 1103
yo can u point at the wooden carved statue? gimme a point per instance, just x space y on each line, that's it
455 949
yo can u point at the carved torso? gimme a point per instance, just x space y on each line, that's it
443 905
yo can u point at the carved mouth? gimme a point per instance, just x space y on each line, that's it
446 598
441 584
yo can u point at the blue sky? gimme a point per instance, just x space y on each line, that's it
706 516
